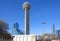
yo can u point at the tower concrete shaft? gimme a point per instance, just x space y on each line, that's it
27 30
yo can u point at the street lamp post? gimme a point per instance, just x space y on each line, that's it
43 26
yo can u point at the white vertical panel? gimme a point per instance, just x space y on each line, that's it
18 38
14 39
29 38
21 39
25 38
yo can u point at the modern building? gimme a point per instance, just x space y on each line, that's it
58 33
16 30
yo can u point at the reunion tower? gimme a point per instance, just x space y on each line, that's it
26 7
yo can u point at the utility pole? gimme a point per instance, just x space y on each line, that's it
43 27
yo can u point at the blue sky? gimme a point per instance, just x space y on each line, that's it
47 11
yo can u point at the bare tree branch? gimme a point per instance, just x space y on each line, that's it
3 25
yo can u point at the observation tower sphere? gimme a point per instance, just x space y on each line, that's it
26 5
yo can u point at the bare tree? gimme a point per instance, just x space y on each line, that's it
3 25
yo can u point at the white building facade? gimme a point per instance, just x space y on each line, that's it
24 38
